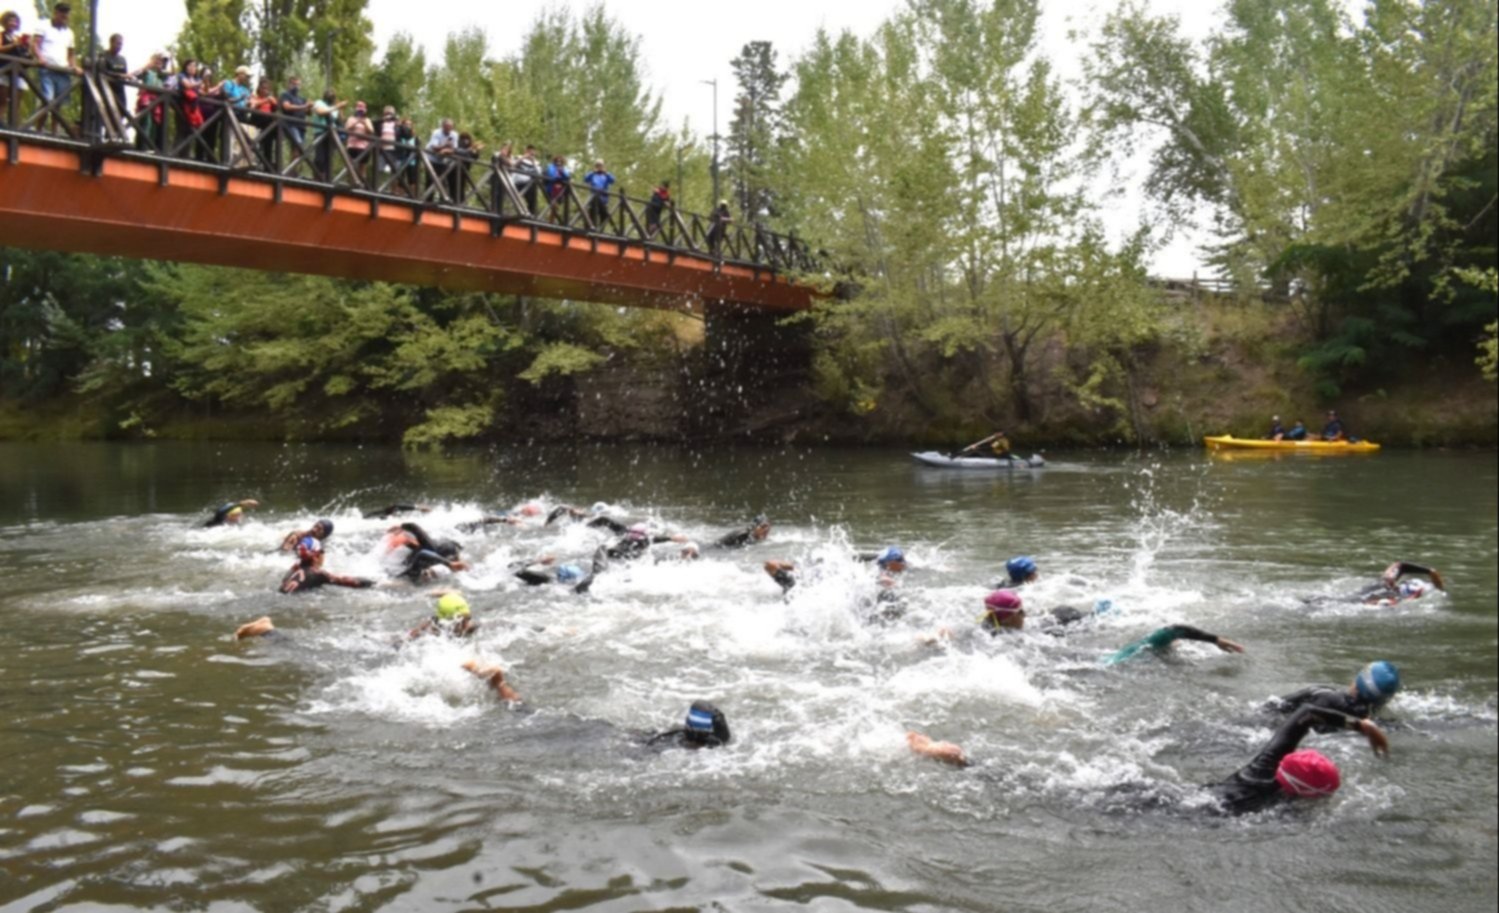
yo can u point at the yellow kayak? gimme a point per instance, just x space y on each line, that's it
1229 442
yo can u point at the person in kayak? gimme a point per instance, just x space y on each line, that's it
1277 430
705 727
999 448
546 570
308 574
1334 430
756 531
1161 639
452 618
1297 432
320 531
1393 587
1279 771
1370 690
230 513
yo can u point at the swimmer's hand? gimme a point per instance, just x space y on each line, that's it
257 628
1377 740
1228 646
945 752
495 676
1436 578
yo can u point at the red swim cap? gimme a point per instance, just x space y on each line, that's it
1308 774
1003 603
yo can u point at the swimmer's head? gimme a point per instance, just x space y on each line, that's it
1308 774
706 725
451 606
599 508
1021 569
638 532
1004 609
323 528
893 559
1377 682
234 515
1414 588
530 509
569 573
690 551
760 527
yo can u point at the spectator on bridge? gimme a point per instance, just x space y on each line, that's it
150 130
235 94
503 161
463 158
441 147
13 46
361 135
599 181
263 118
325 133
53 44
112 65
297 108
189 87
406 146
718 227
660 199
556 179
528 173
387 128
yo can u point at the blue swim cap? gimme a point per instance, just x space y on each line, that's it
327 526
700 721
569 573
1020 568
1377 681
890 556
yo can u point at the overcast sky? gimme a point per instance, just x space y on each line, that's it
683 44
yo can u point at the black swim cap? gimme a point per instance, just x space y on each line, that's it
327 526
706 725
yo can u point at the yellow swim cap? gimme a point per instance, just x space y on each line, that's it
235 512
451 605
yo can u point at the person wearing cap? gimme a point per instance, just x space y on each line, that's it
705 727
308 574
1281 770
320 531
546 569
1004 610
452 618
230 513
1161 639
1277 430
1369 691
1019 571
756 531
1334 430
1401 582
599 180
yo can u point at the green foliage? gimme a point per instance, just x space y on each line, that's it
449 423
754 130
560 359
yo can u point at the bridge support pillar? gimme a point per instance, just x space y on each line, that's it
754 369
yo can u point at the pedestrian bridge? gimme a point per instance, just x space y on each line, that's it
171 178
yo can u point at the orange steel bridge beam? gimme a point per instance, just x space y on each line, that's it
154 209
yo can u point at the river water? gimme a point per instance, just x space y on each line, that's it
151 762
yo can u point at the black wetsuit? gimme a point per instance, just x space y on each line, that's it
565 510
627 549
304 579
738 538
385 513
1253 787
1341 700
609 523
221 515
473 526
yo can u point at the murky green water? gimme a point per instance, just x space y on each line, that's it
150 762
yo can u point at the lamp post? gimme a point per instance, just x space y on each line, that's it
328 56
714 84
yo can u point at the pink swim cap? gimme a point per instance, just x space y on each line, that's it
1308 774
1003 603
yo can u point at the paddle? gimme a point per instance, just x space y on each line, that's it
974 446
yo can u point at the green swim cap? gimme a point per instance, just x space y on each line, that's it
451 605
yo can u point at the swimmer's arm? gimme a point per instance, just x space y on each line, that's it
356 583
1187 632
609 523
291 540
1399 569
945 752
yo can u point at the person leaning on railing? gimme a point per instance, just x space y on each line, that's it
53 44
361 135
660 199
14 46
296 110
263 106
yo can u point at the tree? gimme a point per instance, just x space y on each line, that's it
754 130
217 32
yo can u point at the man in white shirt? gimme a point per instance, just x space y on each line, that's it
442 146
54 48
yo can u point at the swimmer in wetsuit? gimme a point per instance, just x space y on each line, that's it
1161 639
390 510
424 554
1393 588
636 541
1279 771
309 575
320 531
230 513
451 619
756 531
1371 689
705 727
546 570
